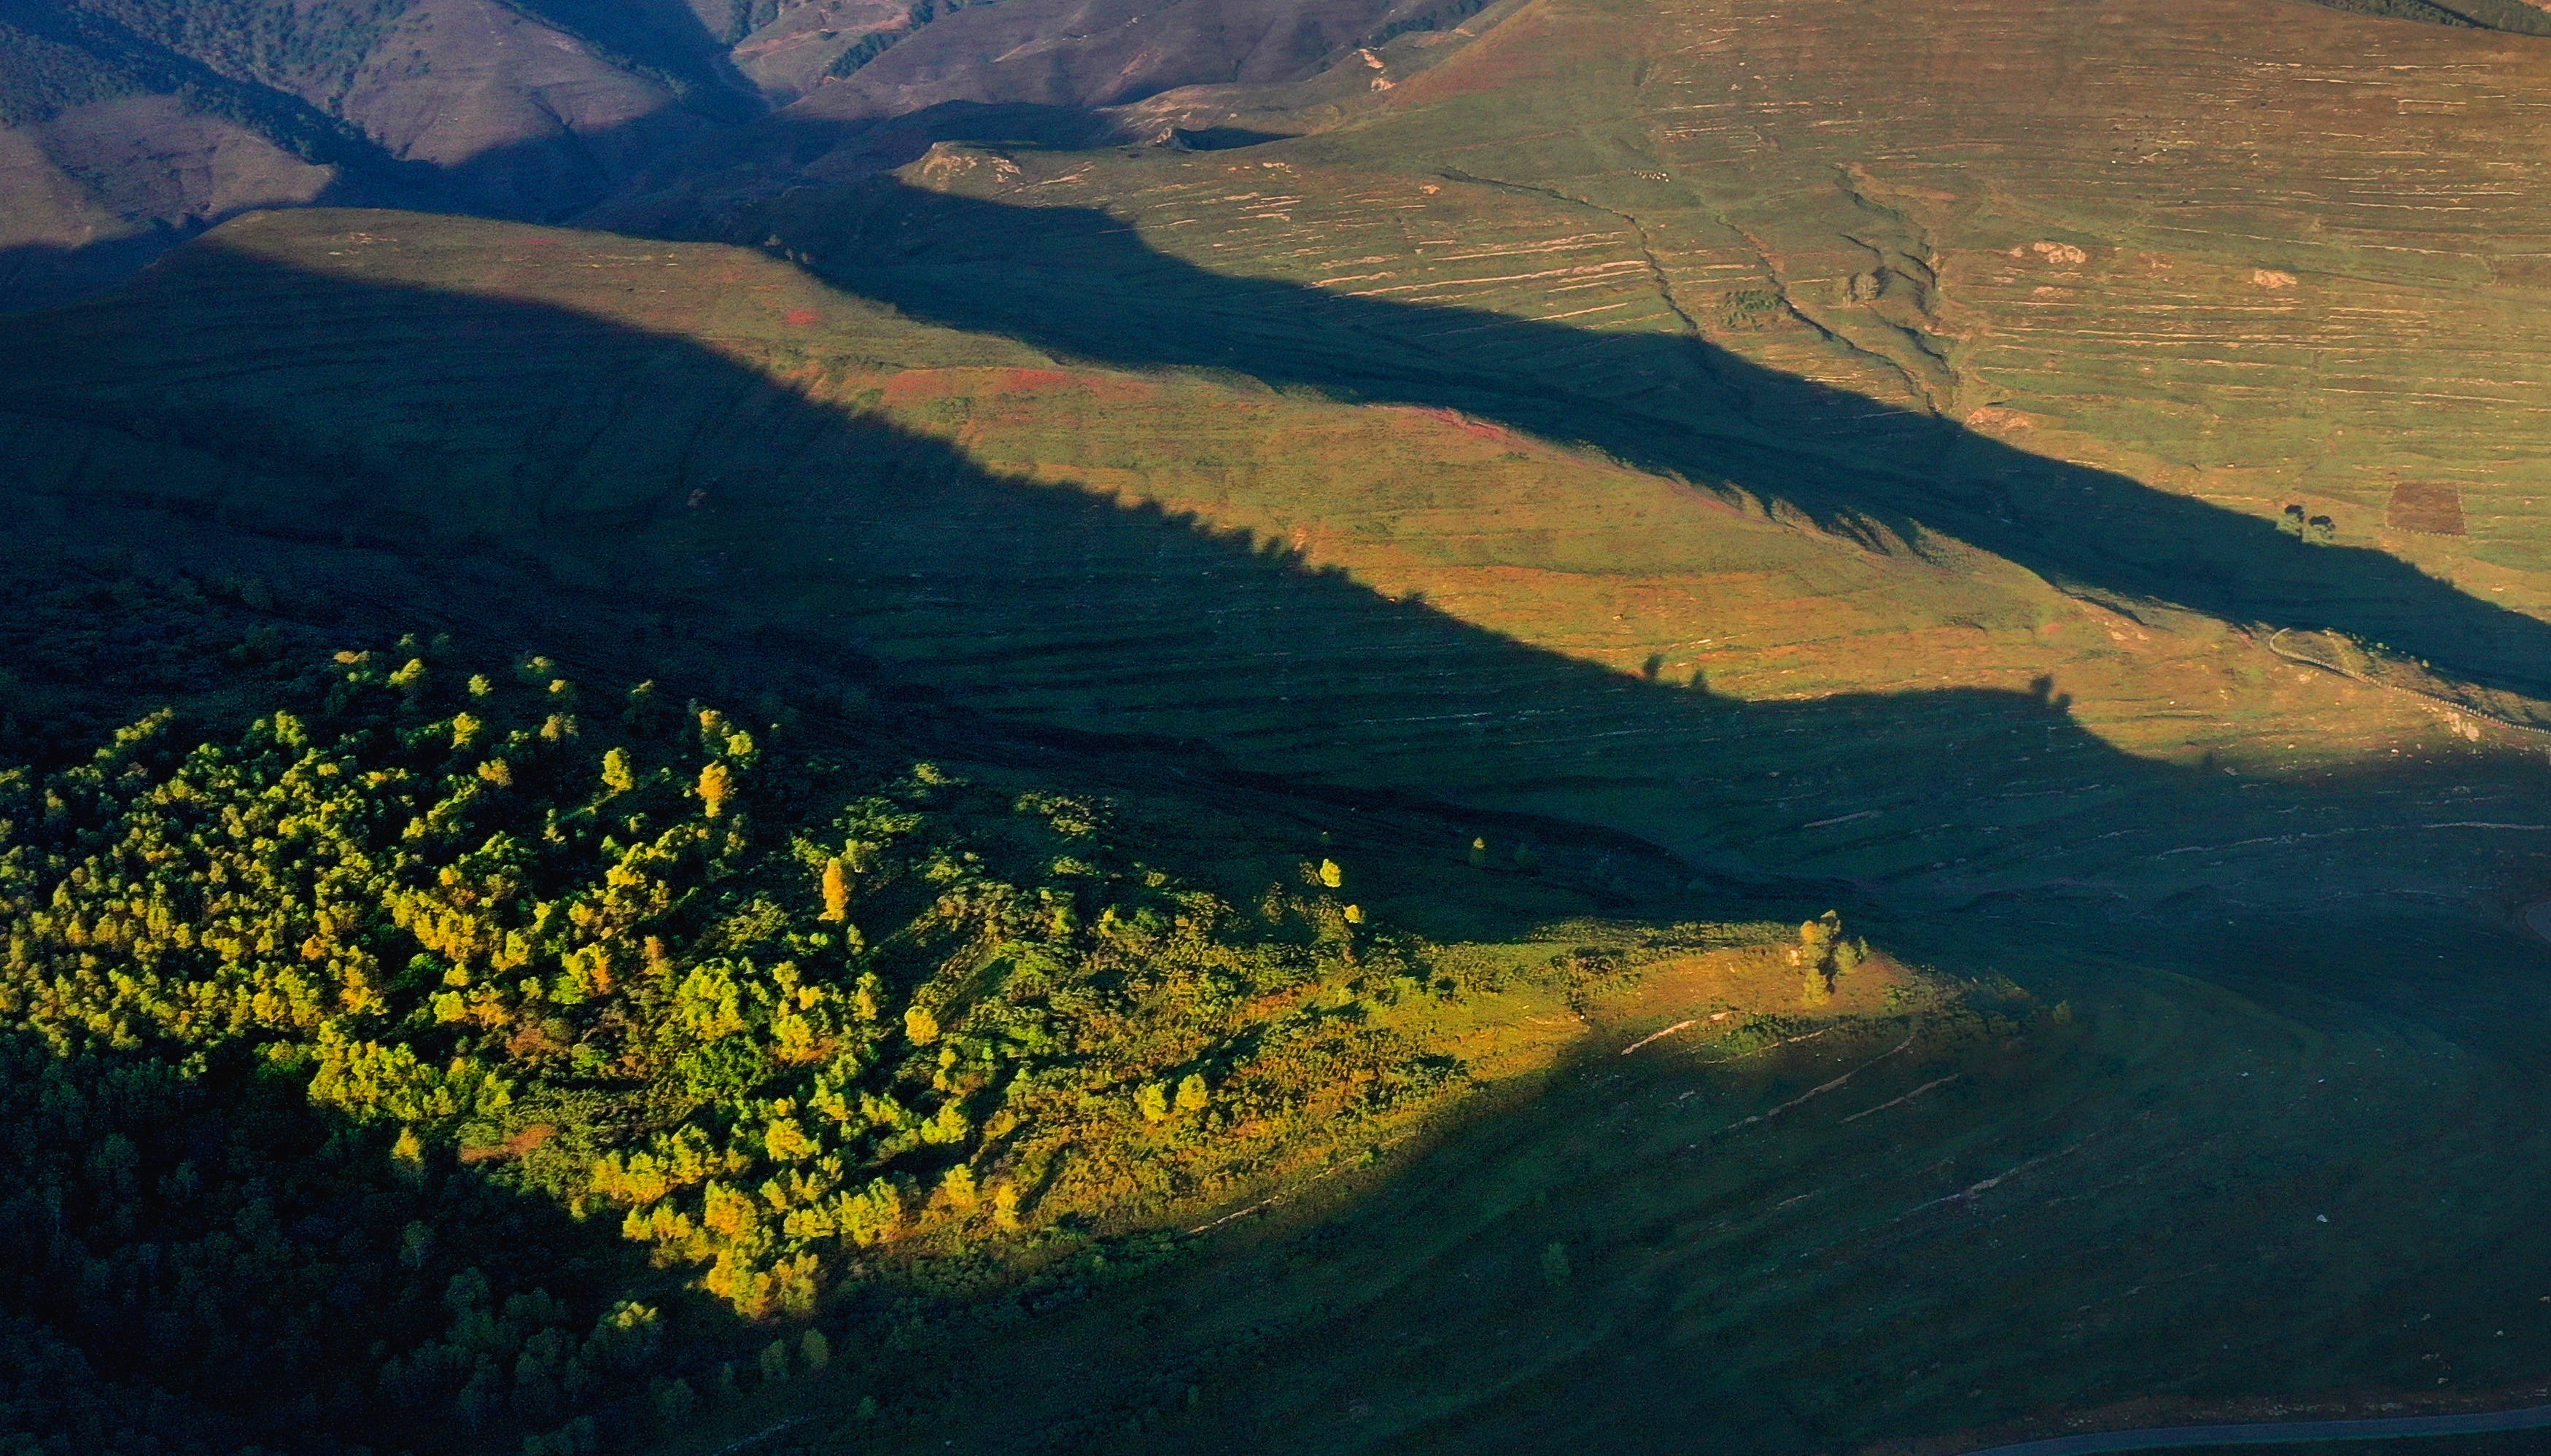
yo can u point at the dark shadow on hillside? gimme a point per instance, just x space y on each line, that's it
663 40
691 501
704 504
208 1261
1084 283
38 275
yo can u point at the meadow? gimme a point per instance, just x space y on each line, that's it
1643 482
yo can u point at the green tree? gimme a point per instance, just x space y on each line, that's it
674 1399
1815 957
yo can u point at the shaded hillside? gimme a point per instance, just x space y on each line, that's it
2521 16
711 457
131 124
1695 240
1488 625
1091 54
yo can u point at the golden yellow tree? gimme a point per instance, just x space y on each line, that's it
717 786
836 891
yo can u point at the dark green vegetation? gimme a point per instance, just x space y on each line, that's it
54 59
1806 1281
352 1060
1623 480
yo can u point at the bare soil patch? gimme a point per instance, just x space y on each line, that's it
2429 509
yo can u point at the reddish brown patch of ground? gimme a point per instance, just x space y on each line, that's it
2431 510
512 1147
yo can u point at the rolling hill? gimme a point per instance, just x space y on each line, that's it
133 123
2051 483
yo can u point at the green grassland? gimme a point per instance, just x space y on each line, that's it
1394 598
744 478
455 1056
1657 475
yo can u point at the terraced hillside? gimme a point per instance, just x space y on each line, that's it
1788 454
2292 270
1403 598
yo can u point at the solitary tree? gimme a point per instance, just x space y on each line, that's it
836 891
1815 954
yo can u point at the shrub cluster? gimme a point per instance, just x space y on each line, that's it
410 1061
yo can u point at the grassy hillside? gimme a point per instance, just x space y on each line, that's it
459 1060
2051 483
2211 306
1517 678
1407 598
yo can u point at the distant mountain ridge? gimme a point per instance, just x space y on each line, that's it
128 125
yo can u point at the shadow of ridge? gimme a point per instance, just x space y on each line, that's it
237 1277
681 480
648 467
1082 283
668 41
44 275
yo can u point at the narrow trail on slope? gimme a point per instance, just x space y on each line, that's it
2275 646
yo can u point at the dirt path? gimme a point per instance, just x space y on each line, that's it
2279 1432
2274 646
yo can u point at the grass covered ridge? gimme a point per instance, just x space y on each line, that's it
361 1056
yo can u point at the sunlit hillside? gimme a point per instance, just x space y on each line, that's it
1266 727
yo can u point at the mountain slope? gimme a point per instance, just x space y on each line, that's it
701 455
2216 311
1632 441
822 499
133 122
